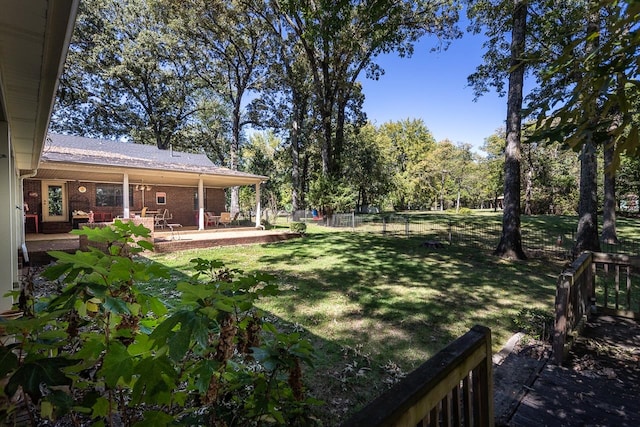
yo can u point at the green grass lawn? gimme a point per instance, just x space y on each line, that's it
377 306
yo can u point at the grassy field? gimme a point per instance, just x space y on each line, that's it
376 306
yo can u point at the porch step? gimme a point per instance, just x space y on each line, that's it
55 227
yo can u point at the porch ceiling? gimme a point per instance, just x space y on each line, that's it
34 37
75 172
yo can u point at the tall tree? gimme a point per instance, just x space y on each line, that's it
628 182
367 165
285 100
409 144
340 40
587 236
225 41
510 245
598 103
124 77
609 232
553 178
493 163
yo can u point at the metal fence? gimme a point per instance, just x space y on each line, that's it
467 232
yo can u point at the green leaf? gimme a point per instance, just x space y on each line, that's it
46 410
154 419
222 305
265 357
151 303
156 381
116 305
8 361
117 364
145 245
193 326
203 372
100 408
62 402
194 292
30 375
142 344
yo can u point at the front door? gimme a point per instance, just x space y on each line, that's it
54 201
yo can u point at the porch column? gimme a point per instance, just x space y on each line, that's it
9 227
200 204
258 207
125 196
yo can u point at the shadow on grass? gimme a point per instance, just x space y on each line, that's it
376 306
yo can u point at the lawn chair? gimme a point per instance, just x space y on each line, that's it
225 218
161 220
210 219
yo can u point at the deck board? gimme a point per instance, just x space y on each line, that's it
598 386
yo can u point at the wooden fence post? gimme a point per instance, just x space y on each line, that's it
560 329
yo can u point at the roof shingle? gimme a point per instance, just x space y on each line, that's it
77 149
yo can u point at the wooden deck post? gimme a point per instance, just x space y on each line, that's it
560 326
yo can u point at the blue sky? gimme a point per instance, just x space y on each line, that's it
432 86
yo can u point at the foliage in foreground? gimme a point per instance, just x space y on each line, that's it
104 350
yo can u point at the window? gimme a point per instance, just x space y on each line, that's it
161 198
111 195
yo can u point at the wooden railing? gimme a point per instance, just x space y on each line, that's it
574 293
595 282
613 278
453 388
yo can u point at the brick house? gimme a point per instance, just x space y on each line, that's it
118 179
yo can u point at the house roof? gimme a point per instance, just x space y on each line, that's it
68 157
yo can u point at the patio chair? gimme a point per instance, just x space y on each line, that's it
161 220
210 219
225 218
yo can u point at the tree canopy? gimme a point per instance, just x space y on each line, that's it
198 74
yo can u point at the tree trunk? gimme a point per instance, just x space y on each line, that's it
295 164
528 193
587 237
587 234
510 245
609 233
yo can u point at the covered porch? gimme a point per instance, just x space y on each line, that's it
80 179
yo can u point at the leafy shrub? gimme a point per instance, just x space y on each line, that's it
460 211
298 227
106 352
